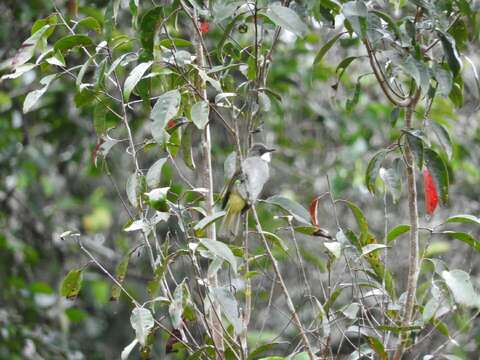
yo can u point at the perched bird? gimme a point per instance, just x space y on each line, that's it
244 187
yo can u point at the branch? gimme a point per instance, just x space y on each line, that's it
207 176
279 276
413 259
386 88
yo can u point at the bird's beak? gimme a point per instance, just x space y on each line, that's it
270 150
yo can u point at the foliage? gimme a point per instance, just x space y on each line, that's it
118 117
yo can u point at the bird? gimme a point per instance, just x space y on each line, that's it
244 186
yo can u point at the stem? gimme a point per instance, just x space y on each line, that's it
386 88
247 312
279 276
413 266
207 176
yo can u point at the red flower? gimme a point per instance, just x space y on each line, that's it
203 26
431 195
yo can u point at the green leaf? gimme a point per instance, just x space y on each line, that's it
157 199
134 77
90 23
397 231
19 71
456 94
367 249
82 71
444 79
459 283
103 119
439 173
443 137
72 284
187 149
178 42
32 97
373 168
120 272
276 240
166 107
142 322
343 65
148 27
71 41
377 346
28 47
132 189
353 101
177 306
286 18
463 218
393 183
221 250
128 349
390 22
301 356
450 51
199 114
261 349
154 173
466 238
229 307
418 71
207 220
417 146
356 14
327 47
40 23
295 209
334 248
361 221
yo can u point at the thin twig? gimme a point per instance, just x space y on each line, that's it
286 293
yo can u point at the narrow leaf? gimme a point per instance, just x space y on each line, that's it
460 285
397 231
286 18
166 107
463 218
207 220
321 53
373 168
70 41
142 322
221 250
199 113
462 236
134 77
128 349
450 51
72 284
294 208
155 172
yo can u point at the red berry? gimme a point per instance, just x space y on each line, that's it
171 123
431 195
203 26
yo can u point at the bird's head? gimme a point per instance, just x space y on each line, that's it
261 151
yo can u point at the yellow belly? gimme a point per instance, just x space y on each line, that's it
235 203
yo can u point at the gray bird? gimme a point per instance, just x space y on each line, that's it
244 186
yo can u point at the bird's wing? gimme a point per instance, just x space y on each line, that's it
229 187
256 173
